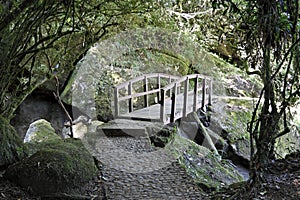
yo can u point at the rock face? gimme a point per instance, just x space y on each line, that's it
11 147
39 131
59 166
38 105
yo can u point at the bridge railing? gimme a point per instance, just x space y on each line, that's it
128 85
178 87
200 83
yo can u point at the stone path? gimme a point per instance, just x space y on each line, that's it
134 169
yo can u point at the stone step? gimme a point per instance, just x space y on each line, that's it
127 128
122 131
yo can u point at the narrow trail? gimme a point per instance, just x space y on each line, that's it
134 169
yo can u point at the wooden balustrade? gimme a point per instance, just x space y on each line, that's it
170 92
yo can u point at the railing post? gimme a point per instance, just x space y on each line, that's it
158 87
130 103
162 105
116 97
173 103
210 93
145 90
170 81
195 103
185 97
203 93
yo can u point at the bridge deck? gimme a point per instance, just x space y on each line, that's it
152 113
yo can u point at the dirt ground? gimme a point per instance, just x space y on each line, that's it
282 182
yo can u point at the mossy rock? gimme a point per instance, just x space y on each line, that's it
40 131
58 167
208 171
11 145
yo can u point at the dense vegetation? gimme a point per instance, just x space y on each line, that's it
42 39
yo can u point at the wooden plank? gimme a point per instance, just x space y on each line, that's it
162 106
153 112
203 93
173 100
158 87
139 78
210 93
180 104
185 97
146 90
138 95
116 101
130 102
195 102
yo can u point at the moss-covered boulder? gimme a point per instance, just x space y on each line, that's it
59 166
11 146
39 131
208 171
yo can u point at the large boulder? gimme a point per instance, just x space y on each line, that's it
59 166
208 170
11 146
229 120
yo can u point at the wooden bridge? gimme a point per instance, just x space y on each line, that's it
162 97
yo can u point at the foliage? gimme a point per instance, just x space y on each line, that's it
40 39
272 48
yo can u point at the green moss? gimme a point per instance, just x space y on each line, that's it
11 145
203 165
239 113
41 130
57 166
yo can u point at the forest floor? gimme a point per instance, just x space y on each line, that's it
281 182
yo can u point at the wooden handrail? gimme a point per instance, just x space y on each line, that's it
145 93
142 77
173 86
171 90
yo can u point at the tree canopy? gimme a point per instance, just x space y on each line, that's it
40 39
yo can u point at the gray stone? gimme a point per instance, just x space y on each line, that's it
39 131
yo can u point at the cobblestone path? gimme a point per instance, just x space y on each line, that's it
133 169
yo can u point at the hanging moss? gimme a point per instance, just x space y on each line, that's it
11 145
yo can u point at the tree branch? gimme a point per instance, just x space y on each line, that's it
57 97
11 16
284 58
